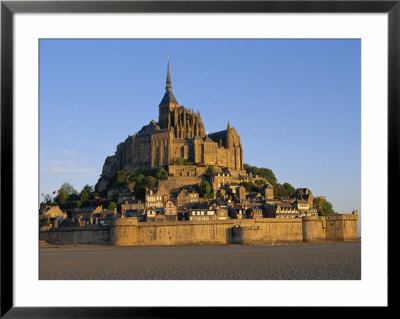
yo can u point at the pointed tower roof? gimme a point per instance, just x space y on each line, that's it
168 86
229 127
168 96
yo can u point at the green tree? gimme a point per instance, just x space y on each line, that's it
73 197
263 172
279 190
180 161
121 177
61 196
268 175
89 189
251 170
139 178
288 188
139 189
248 186
205 190
84 196
78 203
323 207
209 171
328 209
317 203
162 173
69 189
111 205
150 181
260 182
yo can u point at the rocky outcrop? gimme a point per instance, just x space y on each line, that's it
109 169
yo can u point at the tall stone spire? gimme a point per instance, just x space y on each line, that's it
168 86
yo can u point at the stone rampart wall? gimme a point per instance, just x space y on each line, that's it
91 234
251 231
331 228
269 231
128 231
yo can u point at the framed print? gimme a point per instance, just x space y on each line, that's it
221 194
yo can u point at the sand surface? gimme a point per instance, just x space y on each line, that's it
328 261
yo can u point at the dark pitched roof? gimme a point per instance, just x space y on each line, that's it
218 202
201 205
253 195
169 98
285 205
217 135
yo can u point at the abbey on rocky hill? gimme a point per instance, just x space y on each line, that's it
178 135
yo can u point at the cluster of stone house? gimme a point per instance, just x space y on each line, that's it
54 217
160 204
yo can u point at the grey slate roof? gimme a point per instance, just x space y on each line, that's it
169 98
217 135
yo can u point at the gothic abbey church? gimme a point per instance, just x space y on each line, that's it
178 134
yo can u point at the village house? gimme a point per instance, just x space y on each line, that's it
85 215
219 180
156 198
234 191
150 214
187 197
170 211
54 212
217 204
303 194
133 203
160 217
139 214
304 208
105 217
254 212
268 191
51 217
196 214
285 209
222 214
236 212
254 198
118 193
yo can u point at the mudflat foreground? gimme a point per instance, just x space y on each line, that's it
328 261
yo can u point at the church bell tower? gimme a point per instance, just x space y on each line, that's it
168 103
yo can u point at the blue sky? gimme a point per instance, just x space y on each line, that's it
295 103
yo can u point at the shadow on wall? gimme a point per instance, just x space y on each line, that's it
234 235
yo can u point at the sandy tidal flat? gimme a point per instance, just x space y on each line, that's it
330 261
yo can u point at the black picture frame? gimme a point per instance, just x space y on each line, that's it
9 8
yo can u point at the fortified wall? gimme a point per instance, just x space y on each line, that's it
176 182
265 231
91 234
